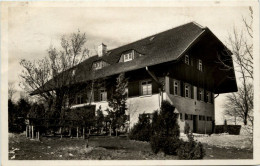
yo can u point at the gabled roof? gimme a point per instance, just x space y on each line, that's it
163 47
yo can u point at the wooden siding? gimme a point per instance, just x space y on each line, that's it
133 89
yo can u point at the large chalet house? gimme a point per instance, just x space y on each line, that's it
181 65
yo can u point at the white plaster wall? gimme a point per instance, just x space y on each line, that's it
135 106
150 103
142 104
191 106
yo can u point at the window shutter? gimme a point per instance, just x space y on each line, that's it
133 89
155 87
212 97
192 92
96 95
182 88
198 93
171 86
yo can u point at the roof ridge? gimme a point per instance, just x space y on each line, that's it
200 26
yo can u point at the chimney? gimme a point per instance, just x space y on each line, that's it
102 50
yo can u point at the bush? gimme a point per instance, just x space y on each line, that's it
165 122
169 145
156 143
166 130
190 150
142 131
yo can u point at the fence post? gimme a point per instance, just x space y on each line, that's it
32 132
70 131
38 135
83 135
26 130
77 132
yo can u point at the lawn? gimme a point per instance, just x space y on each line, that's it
104 148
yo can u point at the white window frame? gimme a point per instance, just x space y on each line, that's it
103 95
208 97
128 57
201 92
175 87
200 65
147 84
187 89
187 59
97 65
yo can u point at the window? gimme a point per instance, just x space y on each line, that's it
187 59
200 65
97 65
181 116
103 95
128 57
200 94
202 118
176 86
187 91
146 87
207 97
209 118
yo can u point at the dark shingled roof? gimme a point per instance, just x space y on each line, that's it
159 48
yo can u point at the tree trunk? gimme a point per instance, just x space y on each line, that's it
26 134
77 132
83 133
61 132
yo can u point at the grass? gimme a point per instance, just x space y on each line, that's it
103 148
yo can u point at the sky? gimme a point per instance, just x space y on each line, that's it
31 30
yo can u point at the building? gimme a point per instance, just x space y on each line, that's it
181 65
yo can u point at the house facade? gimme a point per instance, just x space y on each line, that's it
181 65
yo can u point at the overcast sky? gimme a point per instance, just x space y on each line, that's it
32 30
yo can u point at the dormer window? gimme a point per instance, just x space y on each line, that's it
128 57
187 59
99 65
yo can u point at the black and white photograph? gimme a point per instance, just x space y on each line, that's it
123 82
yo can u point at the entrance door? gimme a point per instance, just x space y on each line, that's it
195 123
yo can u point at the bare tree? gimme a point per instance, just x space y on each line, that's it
240 104
55 71
11 90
